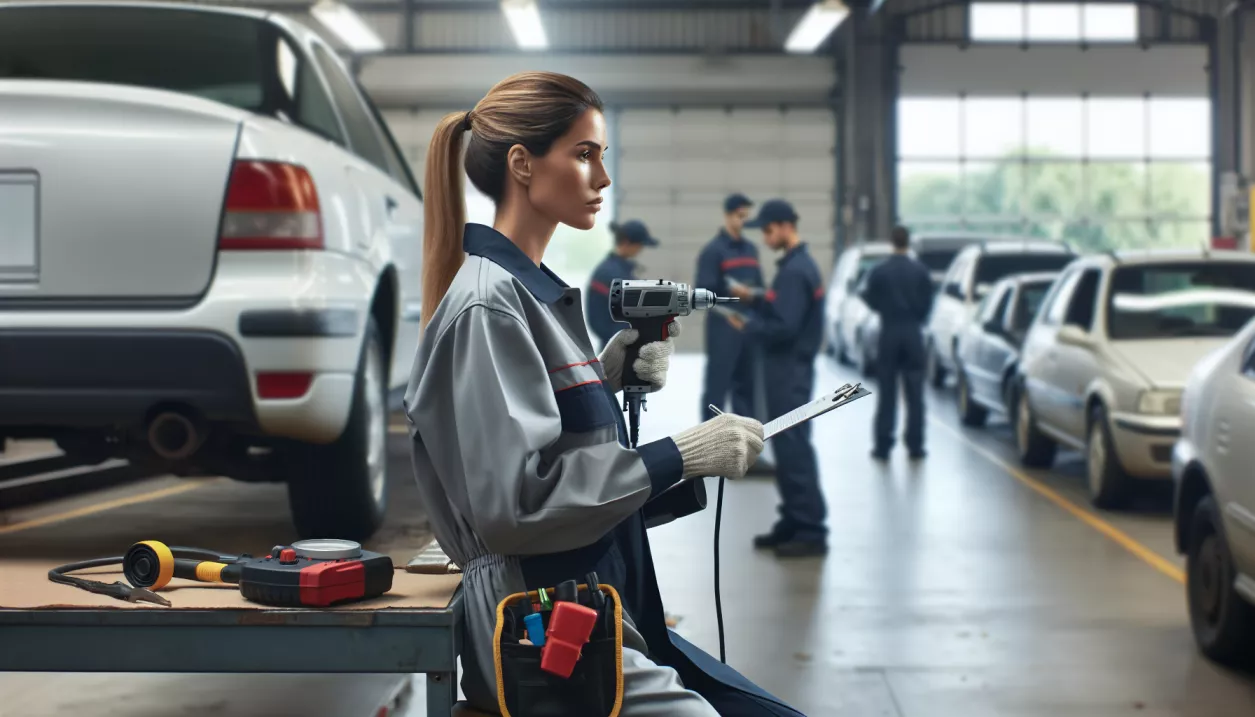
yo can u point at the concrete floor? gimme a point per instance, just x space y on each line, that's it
952 588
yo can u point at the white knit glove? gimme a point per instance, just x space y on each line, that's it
651 364
726 445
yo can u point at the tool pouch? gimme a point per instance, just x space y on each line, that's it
595 687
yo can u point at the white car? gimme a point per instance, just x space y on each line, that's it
974 271
211 250
845 308
1105 361
1215 499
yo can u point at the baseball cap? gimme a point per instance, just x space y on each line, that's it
775 210
735 202
634 232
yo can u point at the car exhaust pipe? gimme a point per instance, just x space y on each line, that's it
174 435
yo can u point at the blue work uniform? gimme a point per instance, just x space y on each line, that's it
730 356
790 325
900 290
597 302
517 443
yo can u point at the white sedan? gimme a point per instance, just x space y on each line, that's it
210 258
1215 499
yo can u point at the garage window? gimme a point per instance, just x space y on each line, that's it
1052 22
1098 172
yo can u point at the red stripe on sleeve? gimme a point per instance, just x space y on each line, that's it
599 287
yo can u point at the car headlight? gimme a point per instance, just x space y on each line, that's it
1159 403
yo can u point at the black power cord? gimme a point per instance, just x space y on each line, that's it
723 657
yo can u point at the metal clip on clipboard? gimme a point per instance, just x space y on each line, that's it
814 409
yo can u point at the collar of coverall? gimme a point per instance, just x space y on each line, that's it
800 248
482 240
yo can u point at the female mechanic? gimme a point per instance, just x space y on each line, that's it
517 436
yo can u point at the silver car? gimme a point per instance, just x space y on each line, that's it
1215 499
1105 361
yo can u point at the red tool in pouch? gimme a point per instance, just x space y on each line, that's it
570 626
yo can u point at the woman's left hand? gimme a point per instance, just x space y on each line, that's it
652 363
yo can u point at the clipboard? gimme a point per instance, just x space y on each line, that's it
841 397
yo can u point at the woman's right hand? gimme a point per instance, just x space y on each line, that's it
726 445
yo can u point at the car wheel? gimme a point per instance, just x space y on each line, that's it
1223 622
1109 485
340 490
971 413
935 371
1037 450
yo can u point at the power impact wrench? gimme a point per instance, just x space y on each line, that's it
650 306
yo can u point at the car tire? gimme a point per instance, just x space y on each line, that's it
1109 486
1037 450
340 490
1222 620
935 371
971 413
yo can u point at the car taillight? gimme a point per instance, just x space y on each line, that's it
275 384
270 205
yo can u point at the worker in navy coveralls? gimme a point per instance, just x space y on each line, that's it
900 290
630 239
727 261
789 324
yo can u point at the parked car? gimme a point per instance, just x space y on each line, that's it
1106 359
215 250
845 309
1215 499
989 346
970 277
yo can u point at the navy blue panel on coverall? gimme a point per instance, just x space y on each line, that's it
597 300
729 353
900 290
790 325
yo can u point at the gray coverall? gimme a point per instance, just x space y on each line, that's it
516 453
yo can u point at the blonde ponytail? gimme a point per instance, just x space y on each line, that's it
444 212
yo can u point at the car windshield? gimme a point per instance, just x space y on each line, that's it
1180 299
222 57
992 267
1031 296
936 259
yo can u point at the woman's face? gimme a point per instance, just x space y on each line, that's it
567 182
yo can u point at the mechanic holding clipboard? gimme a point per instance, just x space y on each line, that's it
789 322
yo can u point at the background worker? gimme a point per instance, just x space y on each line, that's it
727 261
900 291
630 239
789 323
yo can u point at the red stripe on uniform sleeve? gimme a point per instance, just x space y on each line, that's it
771 295
819 293
739 262
599 287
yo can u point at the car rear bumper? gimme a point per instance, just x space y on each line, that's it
289 312
1144 443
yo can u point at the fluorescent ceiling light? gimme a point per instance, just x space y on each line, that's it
524 19
816 25
348 26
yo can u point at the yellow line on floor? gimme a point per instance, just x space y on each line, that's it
1117 536
398 429
100 507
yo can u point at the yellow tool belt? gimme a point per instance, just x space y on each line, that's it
595 687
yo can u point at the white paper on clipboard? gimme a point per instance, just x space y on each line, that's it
814 409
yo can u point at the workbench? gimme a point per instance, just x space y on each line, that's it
415 628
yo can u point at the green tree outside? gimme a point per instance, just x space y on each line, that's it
1095 206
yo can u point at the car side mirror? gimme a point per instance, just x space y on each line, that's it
1073 335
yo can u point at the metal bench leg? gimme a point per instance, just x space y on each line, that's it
442 692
